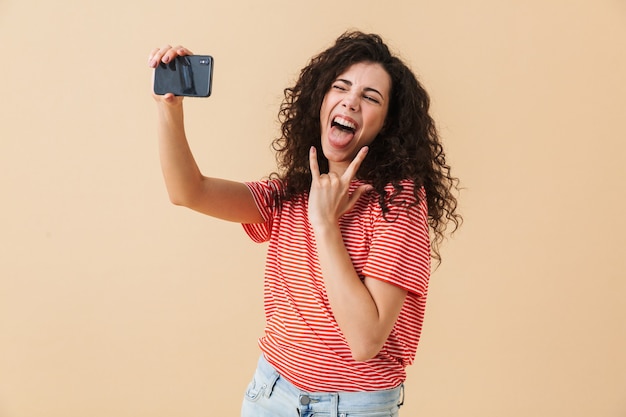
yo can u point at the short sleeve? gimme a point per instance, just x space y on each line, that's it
400 246
264 194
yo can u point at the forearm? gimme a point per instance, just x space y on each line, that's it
182 176
352 304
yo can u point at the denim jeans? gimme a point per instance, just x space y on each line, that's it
270 395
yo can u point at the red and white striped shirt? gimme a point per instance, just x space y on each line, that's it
302 339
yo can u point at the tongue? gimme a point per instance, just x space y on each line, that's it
339 138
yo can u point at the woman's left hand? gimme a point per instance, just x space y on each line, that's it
329 197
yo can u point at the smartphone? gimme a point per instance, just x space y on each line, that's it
190 75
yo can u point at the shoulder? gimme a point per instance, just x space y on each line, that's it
266 191
405 191
399 202
266 186
404 194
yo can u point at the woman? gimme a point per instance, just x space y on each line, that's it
362 182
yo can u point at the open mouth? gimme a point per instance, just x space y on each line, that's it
343 124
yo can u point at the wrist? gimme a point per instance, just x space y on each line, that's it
326 229
170 111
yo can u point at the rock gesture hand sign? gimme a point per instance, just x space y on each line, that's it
330 197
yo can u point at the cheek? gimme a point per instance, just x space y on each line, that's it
378 121
325 107
383 119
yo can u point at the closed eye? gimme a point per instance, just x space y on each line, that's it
370 94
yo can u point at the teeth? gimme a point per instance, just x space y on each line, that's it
344 123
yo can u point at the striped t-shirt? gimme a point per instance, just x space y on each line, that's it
302 340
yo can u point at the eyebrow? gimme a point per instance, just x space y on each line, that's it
365 89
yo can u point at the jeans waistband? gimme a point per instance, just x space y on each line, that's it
352 400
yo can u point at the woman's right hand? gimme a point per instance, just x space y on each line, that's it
164 55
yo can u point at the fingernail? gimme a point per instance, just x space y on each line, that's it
166 59
152 63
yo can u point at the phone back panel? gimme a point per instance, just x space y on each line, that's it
190 75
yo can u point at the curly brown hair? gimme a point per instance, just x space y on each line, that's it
407 147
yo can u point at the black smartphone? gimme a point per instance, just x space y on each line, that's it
190 75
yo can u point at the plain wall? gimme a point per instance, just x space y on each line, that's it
113 302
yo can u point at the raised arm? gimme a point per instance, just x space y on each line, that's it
186 185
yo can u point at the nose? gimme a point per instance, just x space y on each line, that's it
351 102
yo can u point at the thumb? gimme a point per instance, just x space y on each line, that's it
358 193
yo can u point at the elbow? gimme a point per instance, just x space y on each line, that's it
186 195
362 352
179 199
362 357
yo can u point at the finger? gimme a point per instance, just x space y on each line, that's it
157 55
172 53
358 193
166 54
152 60
315 168
354 166
169 98
181 50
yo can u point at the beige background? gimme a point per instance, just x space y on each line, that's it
115 303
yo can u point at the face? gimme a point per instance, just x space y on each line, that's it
353 112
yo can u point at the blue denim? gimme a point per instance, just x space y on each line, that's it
270 395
